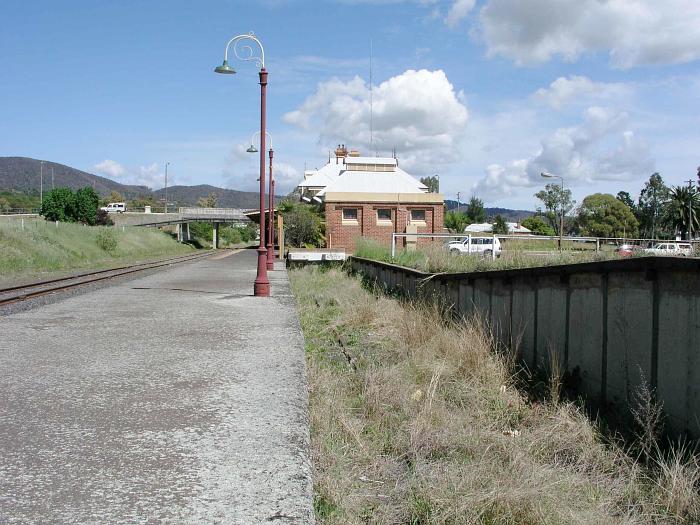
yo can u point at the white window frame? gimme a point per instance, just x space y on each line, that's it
420 222
350 221
384 222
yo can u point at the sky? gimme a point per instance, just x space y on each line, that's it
486 94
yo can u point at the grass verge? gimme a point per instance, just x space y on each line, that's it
416 420
42 248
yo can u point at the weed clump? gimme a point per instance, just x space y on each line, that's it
107 240
416 419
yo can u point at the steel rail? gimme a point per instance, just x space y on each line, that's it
36 289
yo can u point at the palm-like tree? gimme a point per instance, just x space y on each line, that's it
684 203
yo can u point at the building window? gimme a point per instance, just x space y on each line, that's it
349 214
384 216
418 216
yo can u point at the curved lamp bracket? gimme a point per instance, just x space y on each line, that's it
246 52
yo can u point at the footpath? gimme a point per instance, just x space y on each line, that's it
177 397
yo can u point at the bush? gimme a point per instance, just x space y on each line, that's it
107 240
59 205
85 206
302 227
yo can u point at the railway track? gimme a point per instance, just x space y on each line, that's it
14 294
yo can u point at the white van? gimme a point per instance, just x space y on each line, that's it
115 207
485 246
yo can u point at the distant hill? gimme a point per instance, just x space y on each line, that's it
508 214
23 174
189 195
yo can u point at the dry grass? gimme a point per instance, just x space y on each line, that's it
416 420
434 257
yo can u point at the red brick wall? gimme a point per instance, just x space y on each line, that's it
340 234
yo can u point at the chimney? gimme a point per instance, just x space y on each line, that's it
341 152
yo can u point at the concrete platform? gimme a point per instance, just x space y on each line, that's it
176 397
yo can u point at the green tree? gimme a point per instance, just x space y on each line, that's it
652 207
500 227
86 204
302 225
557 202
684 209
602 215
538 226
433 183
475 210
456 222
59 205
114 196
626 198
210 201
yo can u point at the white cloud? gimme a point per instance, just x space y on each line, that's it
580 90
150 175
109 168
417 112
601 148
633 32
458 11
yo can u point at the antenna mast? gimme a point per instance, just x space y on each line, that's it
371 107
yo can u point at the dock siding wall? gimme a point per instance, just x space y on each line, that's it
611 325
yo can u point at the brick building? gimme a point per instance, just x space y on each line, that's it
372 197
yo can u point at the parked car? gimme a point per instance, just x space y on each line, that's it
671 248
115 207
479 246
627 250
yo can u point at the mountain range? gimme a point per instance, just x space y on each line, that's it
24 175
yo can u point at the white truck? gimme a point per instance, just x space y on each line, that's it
484 246
684 249
115 207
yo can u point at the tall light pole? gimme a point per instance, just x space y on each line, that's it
166 187
690 210
41 183
270 205
52 177
547 175
458 194
262 284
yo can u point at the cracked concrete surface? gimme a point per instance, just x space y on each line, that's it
177 397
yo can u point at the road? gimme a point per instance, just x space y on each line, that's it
175 397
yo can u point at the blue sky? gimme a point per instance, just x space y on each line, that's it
486 93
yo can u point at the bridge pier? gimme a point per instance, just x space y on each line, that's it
215 236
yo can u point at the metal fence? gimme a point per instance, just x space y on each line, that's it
535 244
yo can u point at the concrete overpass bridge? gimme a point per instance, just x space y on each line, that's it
182 218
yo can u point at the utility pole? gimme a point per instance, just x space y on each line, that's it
51 177
41 183
166 187
458 194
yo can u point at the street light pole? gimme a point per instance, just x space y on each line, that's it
690 210
458 194
561 216
271 204
261 287
166 187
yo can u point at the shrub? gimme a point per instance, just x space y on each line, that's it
107 240
85 206
59 205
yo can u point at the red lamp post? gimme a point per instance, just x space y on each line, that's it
271 203
262 284
271 220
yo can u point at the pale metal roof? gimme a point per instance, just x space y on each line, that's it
397 181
